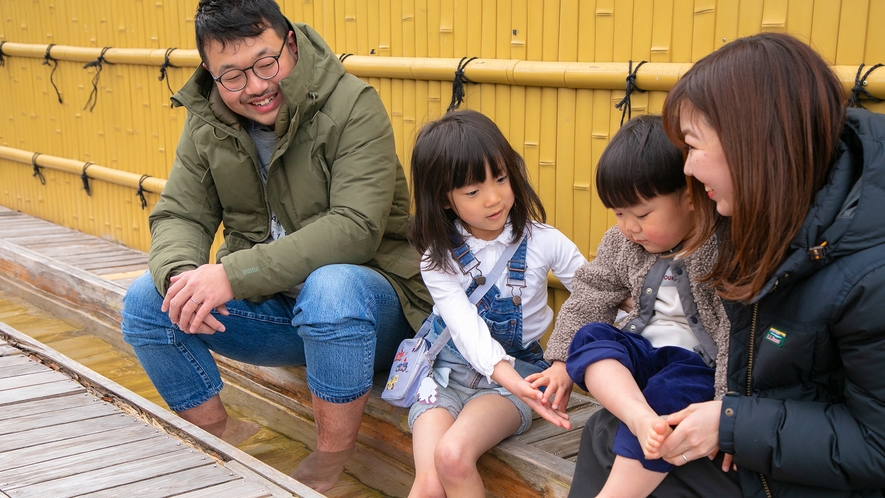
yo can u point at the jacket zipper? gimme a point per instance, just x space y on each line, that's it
752 350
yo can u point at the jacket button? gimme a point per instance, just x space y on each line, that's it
632 328
694 319
729 412
649 290
678 271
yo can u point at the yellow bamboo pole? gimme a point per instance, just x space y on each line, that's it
95 171
654 76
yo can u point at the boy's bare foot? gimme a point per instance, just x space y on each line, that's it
320 470
651 431
658 432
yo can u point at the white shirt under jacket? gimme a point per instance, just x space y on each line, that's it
547 249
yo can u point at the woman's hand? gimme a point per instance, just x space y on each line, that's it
558 383
696 433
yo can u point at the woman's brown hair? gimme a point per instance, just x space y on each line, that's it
778 110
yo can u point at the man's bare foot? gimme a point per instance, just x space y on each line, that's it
236 431
320 470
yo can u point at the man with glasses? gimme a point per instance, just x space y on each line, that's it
296 159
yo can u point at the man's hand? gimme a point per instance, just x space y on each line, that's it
193 295
559 385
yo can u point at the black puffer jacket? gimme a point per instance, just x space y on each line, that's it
814 412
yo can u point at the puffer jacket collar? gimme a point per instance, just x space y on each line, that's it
847 211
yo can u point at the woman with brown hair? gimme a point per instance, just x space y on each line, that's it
798 190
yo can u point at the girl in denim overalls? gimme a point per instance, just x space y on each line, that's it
472 200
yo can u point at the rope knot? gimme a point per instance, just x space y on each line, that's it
97 63
165 65
626 105
85 178
140 191
858 89
458 84
37 171
47 58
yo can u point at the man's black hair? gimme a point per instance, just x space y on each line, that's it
230 21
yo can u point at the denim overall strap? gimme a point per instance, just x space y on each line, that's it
516 267
481 290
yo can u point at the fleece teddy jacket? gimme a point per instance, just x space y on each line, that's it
619 271
334 182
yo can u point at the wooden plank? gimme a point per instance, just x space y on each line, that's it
163 486
33 379
120 277
65 431
45 406
21 368
38 420
275 490
80 463
171 422
239 488
8 351
76 445
117 475
22 394
563 445
8 361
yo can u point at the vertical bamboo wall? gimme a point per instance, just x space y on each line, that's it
560 131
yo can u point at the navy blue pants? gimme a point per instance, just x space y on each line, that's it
670 378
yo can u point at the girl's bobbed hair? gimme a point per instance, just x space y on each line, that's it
450 153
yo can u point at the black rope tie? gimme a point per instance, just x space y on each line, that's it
625 105
140 191
858 89
93 96
458 84
49 61
37 171
343 56
85 179
165 65
2 60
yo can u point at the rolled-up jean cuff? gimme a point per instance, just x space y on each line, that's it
727 418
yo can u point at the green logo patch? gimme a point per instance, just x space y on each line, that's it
776 337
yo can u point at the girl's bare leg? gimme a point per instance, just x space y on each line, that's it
427 430
484 422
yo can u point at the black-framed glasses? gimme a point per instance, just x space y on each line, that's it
265 68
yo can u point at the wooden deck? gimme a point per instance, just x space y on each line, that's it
91 437
69 272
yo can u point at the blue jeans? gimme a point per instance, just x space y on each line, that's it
346 324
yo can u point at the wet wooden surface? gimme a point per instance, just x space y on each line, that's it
537 463
60 438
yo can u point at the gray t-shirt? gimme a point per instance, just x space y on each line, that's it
265 139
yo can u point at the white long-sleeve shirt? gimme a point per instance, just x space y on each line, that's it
547 249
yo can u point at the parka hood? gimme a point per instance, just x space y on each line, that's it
848 212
